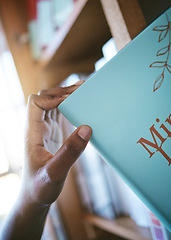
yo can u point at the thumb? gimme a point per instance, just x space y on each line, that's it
62 161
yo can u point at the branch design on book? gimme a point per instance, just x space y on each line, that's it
164 30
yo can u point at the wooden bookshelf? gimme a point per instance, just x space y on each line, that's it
122 226
80 38
75 47
61 33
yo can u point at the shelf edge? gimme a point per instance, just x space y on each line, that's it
122 226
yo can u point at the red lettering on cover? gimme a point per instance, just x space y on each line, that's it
156 135
168 119
144 141
166 130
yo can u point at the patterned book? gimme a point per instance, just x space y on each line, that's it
128 105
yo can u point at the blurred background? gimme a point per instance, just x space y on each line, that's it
12 111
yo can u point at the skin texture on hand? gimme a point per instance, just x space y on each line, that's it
44 173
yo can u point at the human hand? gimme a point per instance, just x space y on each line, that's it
44 174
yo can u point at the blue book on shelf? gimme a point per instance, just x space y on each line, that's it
128 105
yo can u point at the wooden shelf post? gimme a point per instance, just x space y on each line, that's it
125 20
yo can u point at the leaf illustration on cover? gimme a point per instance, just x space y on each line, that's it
164 30
158 82
168 68
163 34
158 64
163 51
160 28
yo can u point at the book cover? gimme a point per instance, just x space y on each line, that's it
128 105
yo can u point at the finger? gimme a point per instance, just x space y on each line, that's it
62 161
61 91
47 102
48 115
53 114
37 105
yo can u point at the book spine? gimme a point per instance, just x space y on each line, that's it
97 184
57 222
158 231
61 10
32 28
45 28
83 188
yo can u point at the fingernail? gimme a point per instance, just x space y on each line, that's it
79 82
85 133
66 95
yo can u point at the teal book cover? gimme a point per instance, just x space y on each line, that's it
127 103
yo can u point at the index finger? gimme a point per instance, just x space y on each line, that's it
47 100
61 91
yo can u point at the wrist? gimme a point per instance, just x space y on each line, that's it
26 220
27 202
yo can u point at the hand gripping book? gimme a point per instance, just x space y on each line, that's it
127 103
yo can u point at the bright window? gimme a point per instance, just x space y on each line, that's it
12 120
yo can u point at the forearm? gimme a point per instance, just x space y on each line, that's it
25 221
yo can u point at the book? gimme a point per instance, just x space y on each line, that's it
126 202
83 191
61 11
96 182
45 29
109 49
54 227
158 231
127 105
32 28
57 222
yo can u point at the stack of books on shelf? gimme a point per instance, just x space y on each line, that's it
45 17
158 230
93 178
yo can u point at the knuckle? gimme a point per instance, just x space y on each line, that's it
52 179
46 177
73 149
31 99
41 92
50 98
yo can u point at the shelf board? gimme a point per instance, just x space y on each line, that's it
80 38
60 34
122 226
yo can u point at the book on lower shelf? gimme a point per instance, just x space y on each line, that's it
158 230
96 182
